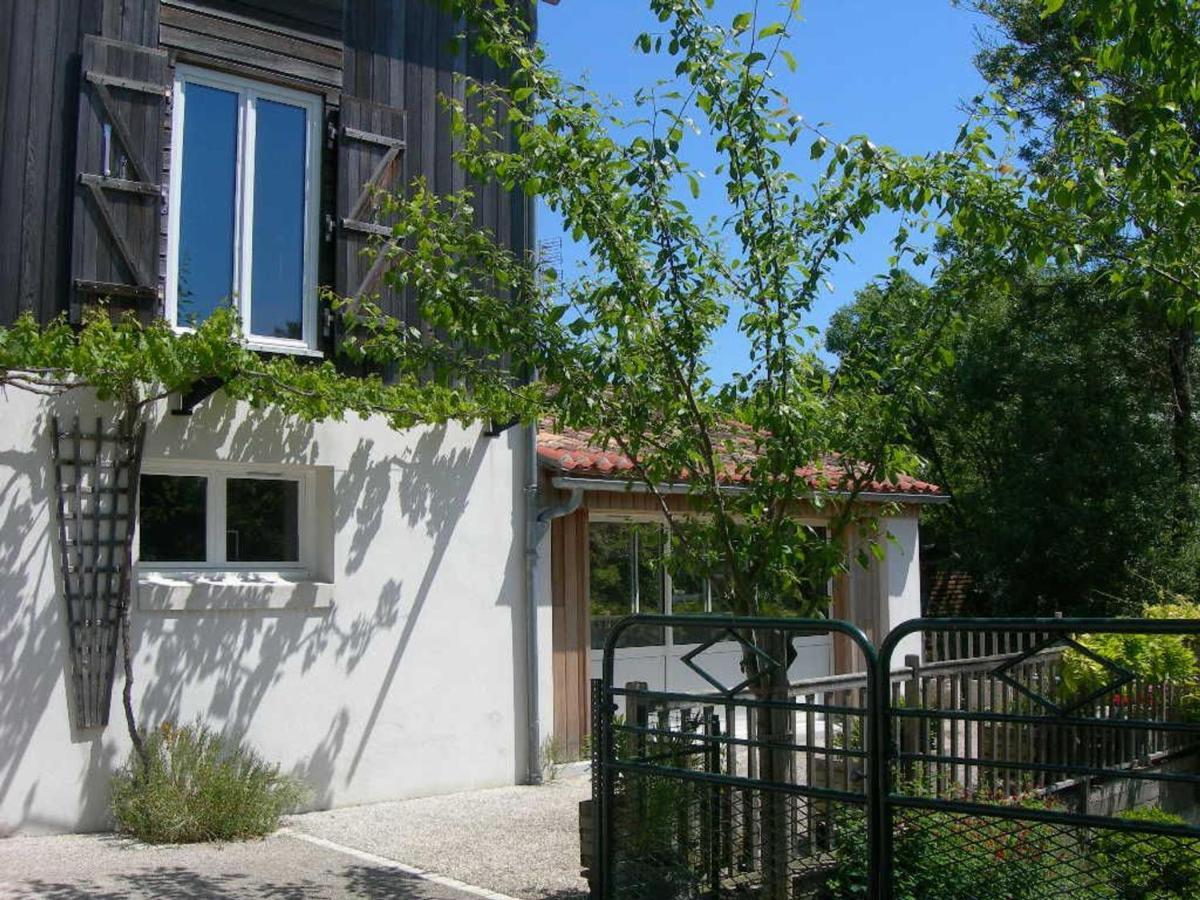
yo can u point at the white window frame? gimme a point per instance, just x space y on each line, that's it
217 474
249 92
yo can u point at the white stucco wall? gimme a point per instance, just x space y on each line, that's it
410 684
902 579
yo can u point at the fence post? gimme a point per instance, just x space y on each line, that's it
597 871
712 829
910 730
637 714
879 811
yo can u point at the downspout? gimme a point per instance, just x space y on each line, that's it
537 523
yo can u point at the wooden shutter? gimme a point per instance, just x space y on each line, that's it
119 193
371 158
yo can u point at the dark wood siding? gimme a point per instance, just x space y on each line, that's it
255 40
401 53
391 52
39 99
40 46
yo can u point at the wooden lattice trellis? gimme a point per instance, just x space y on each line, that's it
96 480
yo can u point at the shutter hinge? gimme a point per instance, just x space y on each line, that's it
327 321
331 134
330 227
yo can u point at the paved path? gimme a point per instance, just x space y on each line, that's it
516 843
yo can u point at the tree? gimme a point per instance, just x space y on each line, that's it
630 356
1049 425
626 351
1108 95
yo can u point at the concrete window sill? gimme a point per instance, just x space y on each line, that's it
231 591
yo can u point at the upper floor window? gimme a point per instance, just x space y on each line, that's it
245 160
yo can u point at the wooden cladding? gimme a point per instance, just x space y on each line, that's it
257 40
39 99
119 202
83 82
571 650
371 159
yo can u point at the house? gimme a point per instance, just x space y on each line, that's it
380 612
603 520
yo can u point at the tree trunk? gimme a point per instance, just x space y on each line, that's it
776 761
135 735
134 429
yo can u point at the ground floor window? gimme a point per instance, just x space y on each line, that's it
218 518
625 576
628 574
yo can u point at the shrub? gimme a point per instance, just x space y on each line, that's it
1152 658
948 856
1145 866
198 787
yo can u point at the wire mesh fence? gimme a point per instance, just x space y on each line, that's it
1002 776
1067 767
717 794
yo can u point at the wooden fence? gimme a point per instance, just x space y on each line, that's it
958 748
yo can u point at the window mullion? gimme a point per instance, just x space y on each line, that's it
216 520
312 227
246 207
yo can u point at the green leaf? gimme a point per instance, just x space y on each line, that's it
742 21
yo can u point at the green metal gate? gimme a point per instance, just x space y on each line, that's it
1028 764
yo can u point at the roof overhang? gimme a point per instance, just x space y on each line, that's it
615 486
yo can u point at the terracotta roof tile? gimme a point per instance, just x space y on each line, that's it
574 452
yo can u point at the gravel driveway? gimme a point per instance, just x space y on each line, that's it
520 841
516 842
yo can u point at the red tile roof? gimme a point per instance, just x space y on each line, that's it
575 453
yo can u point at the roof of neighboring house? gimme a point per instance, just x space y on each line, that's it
575 453
948 592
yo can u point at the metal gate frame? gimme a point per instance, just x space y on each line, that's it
884 798
1055 631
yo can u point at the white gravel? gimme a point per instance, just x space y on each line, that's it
522 841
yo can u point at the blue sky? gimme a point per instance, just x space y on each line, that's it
897 70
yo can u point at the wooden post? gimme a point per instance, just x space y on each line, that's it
776 762
910 730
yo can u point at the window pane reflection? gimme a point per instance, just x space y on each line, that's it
173 518
261 520
207 202
625 575
687 598
277 285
